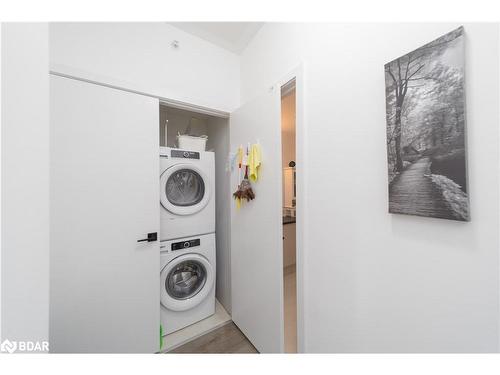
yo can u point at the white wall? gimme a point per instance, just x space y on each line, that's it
139 56
25 182
376 282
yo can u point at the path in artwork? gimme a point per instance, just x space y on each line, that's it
412 192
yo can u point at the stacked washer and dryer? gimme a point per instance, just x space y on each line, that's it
187 234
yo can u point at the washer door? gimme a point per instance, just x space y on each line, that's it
186 282
184 189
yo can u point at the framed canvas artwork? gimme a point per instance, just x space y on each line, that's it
426 143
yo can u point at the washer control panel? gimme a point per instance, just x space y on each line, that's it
185 244
185 154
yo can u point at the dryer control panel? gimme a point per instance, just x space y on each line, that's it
185 154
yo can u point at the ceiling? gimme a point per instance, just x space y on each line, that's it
233 36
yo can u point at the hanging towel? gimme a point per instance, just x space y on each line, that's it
254 162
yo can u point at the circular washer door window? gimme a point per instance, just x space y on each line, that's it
184 189
186 282
186 279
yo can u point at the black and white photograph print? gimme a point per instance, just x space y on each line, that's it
425 112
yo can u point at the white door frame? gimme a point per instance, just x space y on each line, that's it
301 194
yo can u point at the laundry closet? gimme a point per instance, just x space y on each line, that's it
108 141
194 223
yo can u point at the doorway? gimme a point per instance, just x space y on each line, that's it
289 193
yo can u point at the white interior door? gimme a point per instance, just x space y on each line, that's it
256 229
104 290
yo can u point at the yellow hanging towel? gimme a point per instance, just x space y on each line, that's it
254 162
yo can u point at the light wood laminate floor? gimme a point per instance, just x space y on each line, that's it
290 307
229 339
226 339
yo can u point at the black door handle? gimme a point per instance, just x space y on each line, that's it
151 237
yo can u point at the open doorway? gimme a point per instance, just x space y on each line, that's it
288 153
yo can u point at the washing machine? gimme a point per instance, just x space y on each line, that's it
187 193
187 281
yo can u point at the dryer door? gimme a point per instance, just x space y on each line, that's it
186 281
184 189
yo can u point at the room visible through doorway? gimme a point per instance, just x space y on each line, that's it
288 135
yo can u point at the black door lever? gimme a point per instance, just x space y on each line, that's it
151 237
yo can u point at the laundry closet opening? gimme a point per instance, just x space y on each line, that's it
288 141
195 211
